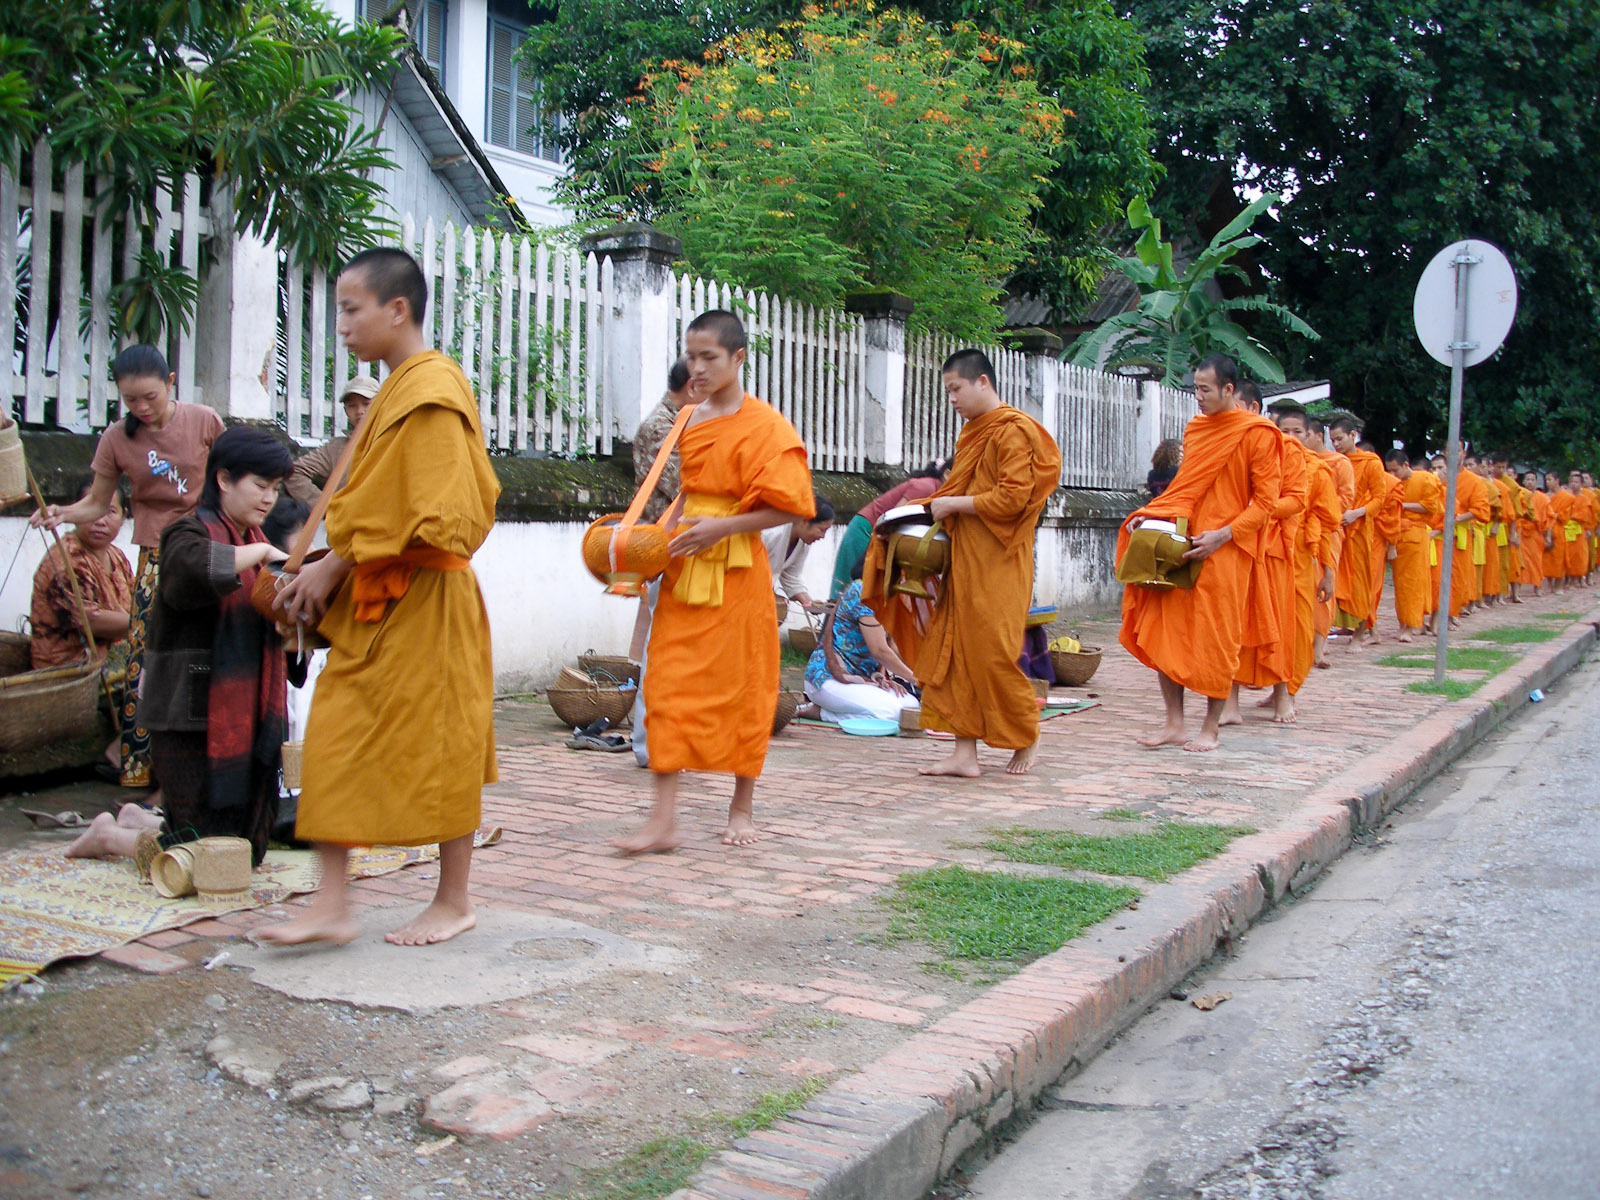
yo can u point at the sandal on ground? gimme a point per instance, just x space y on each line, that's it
58 820
610 742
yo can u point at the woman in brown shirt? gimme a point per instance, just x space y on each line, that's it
161 446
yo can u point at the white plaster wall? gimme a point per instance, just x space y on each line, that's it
545 609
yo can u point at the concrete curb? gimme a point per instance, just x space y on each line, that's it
892 1130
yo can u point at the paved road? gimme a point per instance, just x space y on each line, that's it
1421 1025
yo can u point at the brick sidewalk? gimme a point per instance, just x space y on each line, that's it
842 817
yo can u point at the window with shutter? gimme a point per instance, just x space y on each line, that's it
428 20
518 119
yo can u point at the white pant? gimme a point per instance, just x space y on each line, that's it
837 700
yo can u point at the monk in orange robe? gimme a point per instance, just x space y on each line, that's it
400 739
1485 550
1421 500
1593 494
1535 529
1581 519
711 686
1472 511
1005 468
1354 591
1266 652
1507 536
1344 481
1314 561
1555 555
1385 537
1226 488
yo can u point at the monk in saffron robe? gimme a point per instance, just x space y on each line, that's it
1344 481
1005 469
1421 500
1486 549
1472 511
1313 547
1580 519
711 687
1266 651
1385 537
1508 538
1354 591
1226 488
1555 555
1535 529
400 739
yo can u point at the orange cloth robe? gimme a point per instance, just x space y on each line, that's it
1385 533
1412 570
1582 519
1313 555
1511 501
1231 472
1266 654
400 740
1344 483
1559 505
972 685
1535 524
1354 592
1490 573
711 686
1472 499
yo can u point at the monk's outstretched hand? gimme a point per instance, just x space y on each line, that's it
1208 543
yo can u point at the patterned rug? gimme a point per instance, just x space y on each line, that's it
1056 708
54 907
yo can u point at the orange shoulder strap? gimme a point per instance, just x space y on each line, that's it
642 497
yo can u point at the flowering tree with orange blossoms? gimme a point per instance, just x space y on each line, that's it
849 150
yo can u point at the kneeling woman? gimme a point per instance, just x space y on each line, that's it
215 676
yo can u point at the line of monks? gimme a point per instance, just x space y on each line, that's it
1294 533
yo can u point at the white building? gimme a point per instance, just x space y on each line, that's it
461 118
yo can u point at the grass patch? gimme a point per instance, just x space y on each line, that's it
1165 850
654 1169
1557 616
1510 635
661 1167
1465 658
1121 814
1455 689
991 917
792 658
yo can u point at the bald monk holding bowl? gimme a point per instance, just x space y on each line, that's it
1226 488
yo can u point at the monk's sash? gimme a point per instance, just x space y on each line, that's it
373 584
700 579
1433 551
1480 543
1572 531
1502 538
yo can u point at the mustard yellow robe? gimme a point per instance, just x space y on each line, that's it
400 740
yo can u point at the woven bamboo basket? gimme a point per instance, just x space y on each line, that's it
13 466
788 705
802 641
16 655
615 667
172 871
221 870
292 759
55 704
1075 669
580 706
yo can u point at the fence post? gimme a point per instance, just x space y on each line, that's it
1149 424
883 316
1043 349
236 322
635 320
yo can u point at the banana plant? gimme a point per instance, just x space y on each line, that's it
1179 320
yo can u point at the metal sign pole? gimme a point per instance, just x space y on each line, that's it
1459 346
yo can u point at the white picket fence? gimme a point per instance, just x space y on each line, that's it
523 321
929 424
60 229
806 362
1098 420
1177 410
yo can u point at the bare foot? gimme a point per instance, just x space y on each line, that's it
97 841
1170 735
1267 703
1405 637
439 922
956 764
1022 760
654 838
741 831
1203 744
137 816
1285 713
308 929
1231 716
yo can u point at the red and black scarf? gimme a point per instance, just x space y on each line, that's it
246 720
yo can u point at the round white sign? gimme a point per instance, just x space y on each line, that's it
1491 301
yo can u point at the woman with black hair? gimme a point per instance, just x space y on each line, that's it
215 670
858 534
161 446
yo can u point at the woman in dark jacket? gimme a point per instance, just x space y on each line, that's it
215 672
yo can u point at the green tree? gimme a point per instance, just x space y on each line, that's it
844 151
591 55
248 96
1182 318
1396 127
